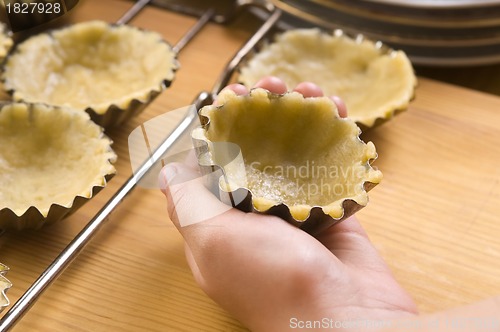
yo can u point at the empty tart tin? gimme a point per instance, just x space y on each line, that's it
374 81
52 161
5 285
285 155
111 71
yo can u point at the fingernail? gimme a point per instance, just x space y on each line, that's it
167 176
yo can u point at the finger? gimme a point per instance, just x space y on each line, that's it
183 186
239 89
191 203
341 107
190 161
272 84
308 89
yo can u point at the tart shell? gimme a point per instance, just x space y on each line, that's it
111 71
53 160
374 81
246 143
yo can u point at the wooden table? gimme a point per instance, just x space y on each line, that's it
434 218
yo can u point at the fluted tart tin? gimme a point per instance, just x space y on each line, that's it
52 161
375 81
111 71
285 155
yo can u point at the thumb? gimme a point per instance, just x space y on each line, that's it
189 202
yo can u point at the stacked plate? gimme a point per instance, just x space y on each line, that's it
431 32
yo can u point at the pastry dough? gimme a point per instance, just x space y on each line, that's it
296 151
49 157
90 65
374 82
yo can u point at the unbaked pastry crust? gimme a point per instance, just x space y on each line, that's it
90 65
374 82
49 157
297 151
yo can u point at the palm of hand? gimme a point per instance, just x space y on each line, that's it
282 275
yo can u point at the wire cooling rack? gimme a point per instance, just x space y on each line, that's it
68 254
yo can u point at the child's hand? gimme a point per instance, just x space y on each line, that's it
271 275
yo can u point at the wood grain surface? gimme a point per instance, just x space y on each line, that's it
434 218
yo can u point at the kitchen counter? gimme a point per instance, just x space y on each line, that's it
434 217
